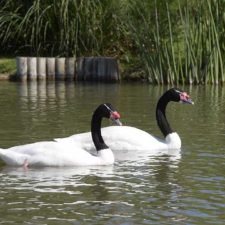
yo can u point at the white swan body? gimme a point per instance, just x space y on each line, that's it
54 154
131 138
65 153
135 139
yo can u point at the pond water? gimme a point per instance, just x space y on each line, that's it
185 188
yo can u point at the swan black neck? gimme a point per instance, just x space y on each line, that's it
96 131
161 114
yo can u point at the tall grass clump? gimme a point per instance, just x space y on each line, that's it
180 42
52 27
167 41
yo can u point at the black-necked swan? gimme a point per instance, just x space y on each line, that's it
52 153
131 138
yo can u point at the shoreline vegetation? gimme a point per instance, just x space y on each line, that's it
159 41
7 68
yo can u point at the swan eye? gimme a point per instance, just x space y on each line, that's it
115 115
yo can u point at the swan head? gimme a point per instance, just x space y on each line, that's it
178 95
109 112
103 111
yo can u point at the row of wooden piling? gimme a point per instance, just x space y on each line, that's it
60 68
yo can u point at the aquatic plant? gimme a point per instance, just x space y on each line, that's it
54 27
182 45
171 42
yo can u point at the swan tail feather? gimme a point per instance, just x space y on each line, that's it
13 158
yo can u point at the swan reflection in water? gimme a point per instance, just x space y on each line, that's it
62 176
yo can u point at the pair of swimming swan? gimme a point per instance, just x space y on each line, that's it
74 150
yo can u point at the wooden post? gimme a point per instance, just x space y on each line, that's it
41 68
112 69
79 69
70 69
101 68
97 69
21 68
32 68
88 68
85 68
60 69
50 68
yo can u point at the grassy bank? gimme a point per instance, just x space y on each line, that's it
7 66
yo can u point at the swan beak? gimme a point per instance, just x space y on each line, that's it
117 122
115 116
188 101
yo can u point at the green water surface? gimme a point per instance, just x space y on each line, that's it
188 188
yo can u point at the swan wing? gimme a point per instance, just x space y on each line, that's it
119 138
51 153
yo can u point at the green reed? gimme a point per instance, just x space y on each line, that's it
172 42
183 47
52 27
